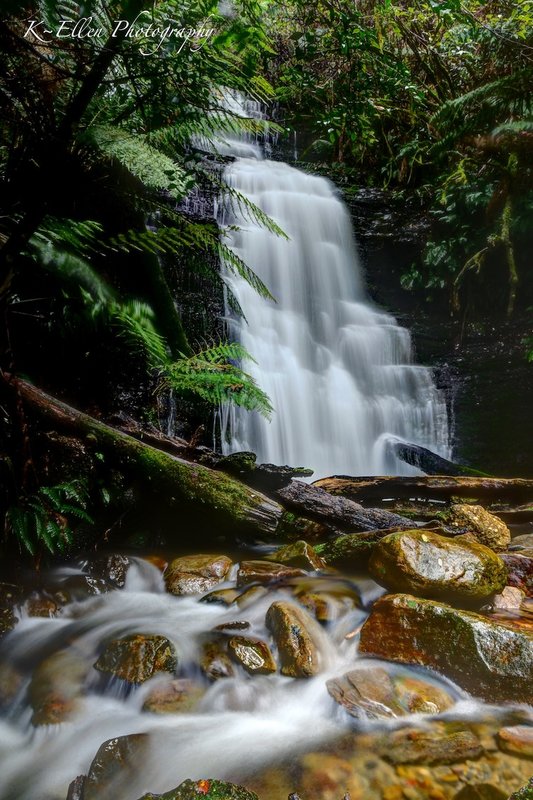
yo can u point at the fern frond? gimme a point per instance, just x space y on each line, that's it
150 166
135 320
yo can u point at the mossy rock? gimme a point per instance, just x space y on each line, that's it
206 789
525 793
429 565
489 658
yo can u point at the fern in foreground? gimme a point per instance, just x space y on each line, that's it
45 518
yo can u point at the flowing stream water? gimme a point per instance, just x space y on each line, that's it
242 724
339 371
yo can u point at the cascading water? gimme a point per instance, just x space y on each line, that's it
338 370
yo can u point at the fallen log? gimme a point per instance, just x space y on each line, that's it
431 487
429 462
317 503
205 499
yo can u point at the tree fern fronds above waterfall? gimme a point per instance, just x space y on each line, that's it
194 235
146 163
136 322
214 374
45 517
211 127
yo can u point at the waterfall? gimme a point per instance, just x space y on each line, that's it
339 371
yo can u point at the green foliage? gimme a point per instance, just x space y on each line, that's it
45 519
214 374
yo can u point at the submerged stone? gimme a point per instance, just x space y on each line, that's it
215 662
296 635
488 529
325 607
176 696
56 688
252 654
374 693
490 659
517 740
433 746
428 565
138 657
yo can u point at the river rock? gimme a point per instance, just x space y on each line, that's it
138 657
265 572
117 763
490 659
434 746
173 697
488 529
480 791
224 597
56 688
298 554
429 565
111 568
520 571
510 599
215 662
39 605
252 654
517 740
373 693
522 542
251 596
296 634
76 790
325 607
206 789
11 681
196 574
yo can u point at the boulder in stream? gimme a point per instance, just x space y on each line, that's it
298 554
490 659
252 654
174 696
138 657
215 662
487 528
56 687
520 571
517 740
118 762
296 635
265 572
10 595
424 563
196 574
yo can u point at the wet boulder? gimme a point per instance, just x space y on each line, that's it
516 740
206 789
138 657
265 572
352 550
488 529
299 554
111 568
116 764
296 635
429 565
196 574
490 659
324 606
252 654
510 599
434 746
223 597
375 693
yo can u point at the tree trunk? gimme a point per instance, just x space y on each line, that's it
431 463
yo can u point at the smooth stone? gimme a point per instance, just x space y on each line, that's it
56 688
237 625
111 568
252 654
38 605
374 693
487 528
520 571
265 572
510 599
76 790
251 596
224 597
138 657
490 659
429 565
352 550
517 740
524 542
215 662
207 789
480 791
176 696
299 554
437 746
196 574
296 635
117 763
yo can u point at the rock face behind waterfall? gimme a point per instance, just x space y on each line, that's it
338 370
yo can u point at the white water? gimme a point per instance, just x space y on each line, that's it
338 370
242 724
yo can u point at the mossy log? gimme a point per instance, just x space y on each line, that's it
432 487
203 499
